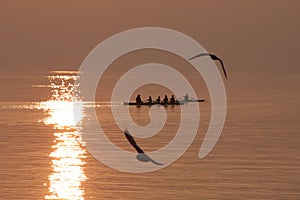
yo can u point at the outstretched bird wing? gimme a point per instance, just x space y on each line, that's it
199 55
214 57
154 162
132 142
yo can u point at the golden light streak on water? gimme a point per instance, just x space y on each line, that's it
67 156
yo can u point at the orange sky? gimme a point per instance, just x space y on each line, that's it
257 40
250 36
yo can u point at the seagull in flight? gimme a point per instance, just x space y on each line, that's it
212 56
141 156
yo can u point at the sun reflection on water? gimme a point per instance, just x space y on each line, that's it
67 156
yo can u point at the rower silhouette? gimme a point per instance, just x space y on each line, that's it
166 100
186 97
172 100
158 99
138 99
150 100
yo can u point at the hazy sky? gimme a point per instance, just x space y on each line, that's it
251 36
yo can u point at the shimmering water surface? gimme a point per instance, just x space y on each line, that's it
43 157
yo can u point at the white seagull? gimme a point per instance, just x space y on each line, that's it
212 56
141 156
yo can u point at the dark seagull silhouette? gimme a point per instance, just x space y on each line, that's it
212 56
141 155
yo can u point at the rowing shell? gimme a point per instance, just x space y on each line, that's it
164 104
150 104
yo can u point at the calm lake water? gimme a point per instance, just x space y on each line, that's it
256 157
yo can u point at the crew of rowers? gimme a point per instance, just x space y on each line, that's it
157 101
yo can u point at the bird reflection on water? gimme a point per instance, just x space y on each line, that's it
67 156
